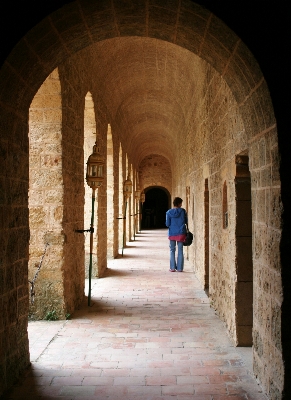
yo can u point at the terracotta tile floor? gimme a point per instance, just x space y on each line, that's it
148 335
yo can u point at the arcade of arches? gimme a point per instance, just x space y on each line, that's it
181 107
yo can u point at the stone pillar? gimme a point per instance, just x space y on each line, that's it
14 249
89 141
120 199
110 195
101 211
206 235
244 263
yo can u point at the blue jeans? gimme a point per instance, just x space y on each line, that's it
180 259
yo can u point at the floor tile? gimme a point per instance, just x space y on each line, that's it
148 335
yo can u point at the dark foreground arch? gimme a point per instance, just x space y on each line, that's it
29 57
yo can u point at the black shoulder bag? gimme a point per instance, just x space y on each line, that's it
189 237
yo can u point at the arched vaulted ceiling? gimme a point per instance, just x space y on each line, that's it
147 56
148 86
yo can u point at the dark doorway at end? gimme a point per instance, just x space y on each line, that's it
154 208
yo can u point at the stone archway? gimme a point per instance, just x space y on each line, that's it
192 123
156 204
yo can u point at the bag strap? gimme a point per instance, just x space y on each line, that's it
187 229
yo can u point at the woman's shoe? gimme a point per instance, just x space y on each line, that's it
171 270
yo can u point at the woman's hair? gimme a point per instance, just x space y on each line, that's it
177 201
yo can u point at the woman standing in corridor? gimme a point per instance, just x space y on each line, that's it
176 218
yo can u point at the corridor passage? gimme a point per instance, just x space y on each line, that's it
149 334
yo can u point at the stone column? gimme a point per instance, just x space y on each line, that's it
244 263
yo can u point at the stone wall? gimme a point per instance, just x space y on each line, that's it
155 170
219 130
267 209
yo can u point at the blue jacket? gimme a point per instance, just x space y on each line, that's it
176 218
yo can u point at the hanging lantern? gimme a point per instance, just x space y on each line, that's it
95 168
137 193
142 197
127 188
